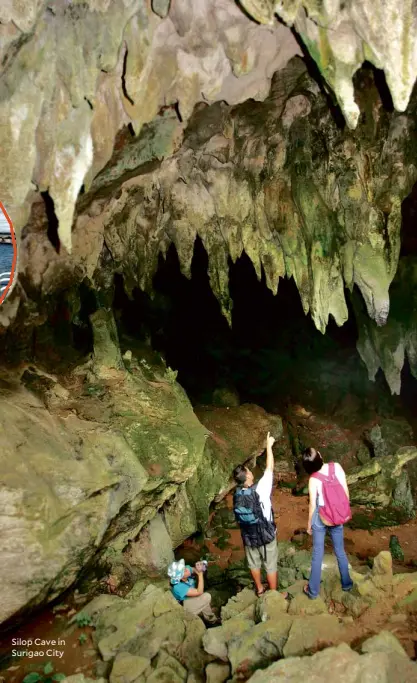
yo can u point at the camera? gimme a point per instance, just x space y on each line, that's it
201 566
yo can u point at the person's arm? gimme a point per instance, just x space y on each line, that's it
312 492
340 473
195 592
269 455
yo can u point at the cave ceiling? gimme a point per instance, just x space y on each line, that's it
149 123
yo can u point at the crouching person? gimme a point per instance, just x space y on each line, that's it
187 586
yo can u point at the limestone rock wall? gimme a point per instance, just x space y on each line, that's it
387 347
84 469
341 35
279 180
73 74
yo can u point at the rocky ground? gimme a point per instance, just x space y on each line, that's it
146 637
103 640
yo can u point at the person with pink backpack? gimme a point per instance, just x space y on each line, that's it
329 510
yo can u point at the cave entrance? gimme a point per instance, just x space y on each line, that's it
272 355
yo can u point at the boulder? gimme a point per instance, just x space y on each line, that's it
225 398
153 627
180 517
383 482
127 668
389 435
167 668
382 565
133 627
217 673
68 483
258 646
344 665
384 641
312 633
307 427
242 602
191 653
215 640
302 605
286 577
151 552
269 606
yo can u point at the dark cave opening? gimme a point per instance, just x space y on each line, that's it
408 224
272 355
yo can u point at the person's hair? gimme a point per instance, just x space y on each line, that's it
312 460
239 474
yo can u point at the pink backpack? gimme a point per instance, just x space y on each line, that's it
336 508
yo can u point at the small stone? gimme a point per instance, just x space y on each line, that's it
217 673
127 667
383 564
303 605
398 618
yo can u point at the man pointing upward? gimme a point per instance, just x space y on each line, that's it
253 511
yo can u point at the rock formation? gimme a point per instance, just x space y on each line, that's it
172 645
85 470
340 36
322 207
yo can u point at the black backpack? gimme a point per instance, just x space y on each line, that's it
256 530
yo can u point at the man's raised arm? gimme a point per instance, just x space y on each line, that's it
269 455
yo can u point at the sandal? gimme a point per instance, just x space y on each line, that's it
306 592
259 593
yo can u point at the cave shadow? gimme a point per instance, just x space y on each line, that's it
272 355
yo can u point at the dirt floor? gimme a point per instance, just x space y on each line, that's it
291 516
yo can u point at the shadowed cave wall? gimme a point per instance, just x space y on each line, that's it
272 355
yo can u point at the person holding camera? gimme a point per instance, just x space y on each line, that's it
253 512
187 586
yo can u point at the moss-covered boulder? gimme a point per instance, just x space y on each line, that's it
75 484
151 632
152 551
345 665
235 435
383 482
